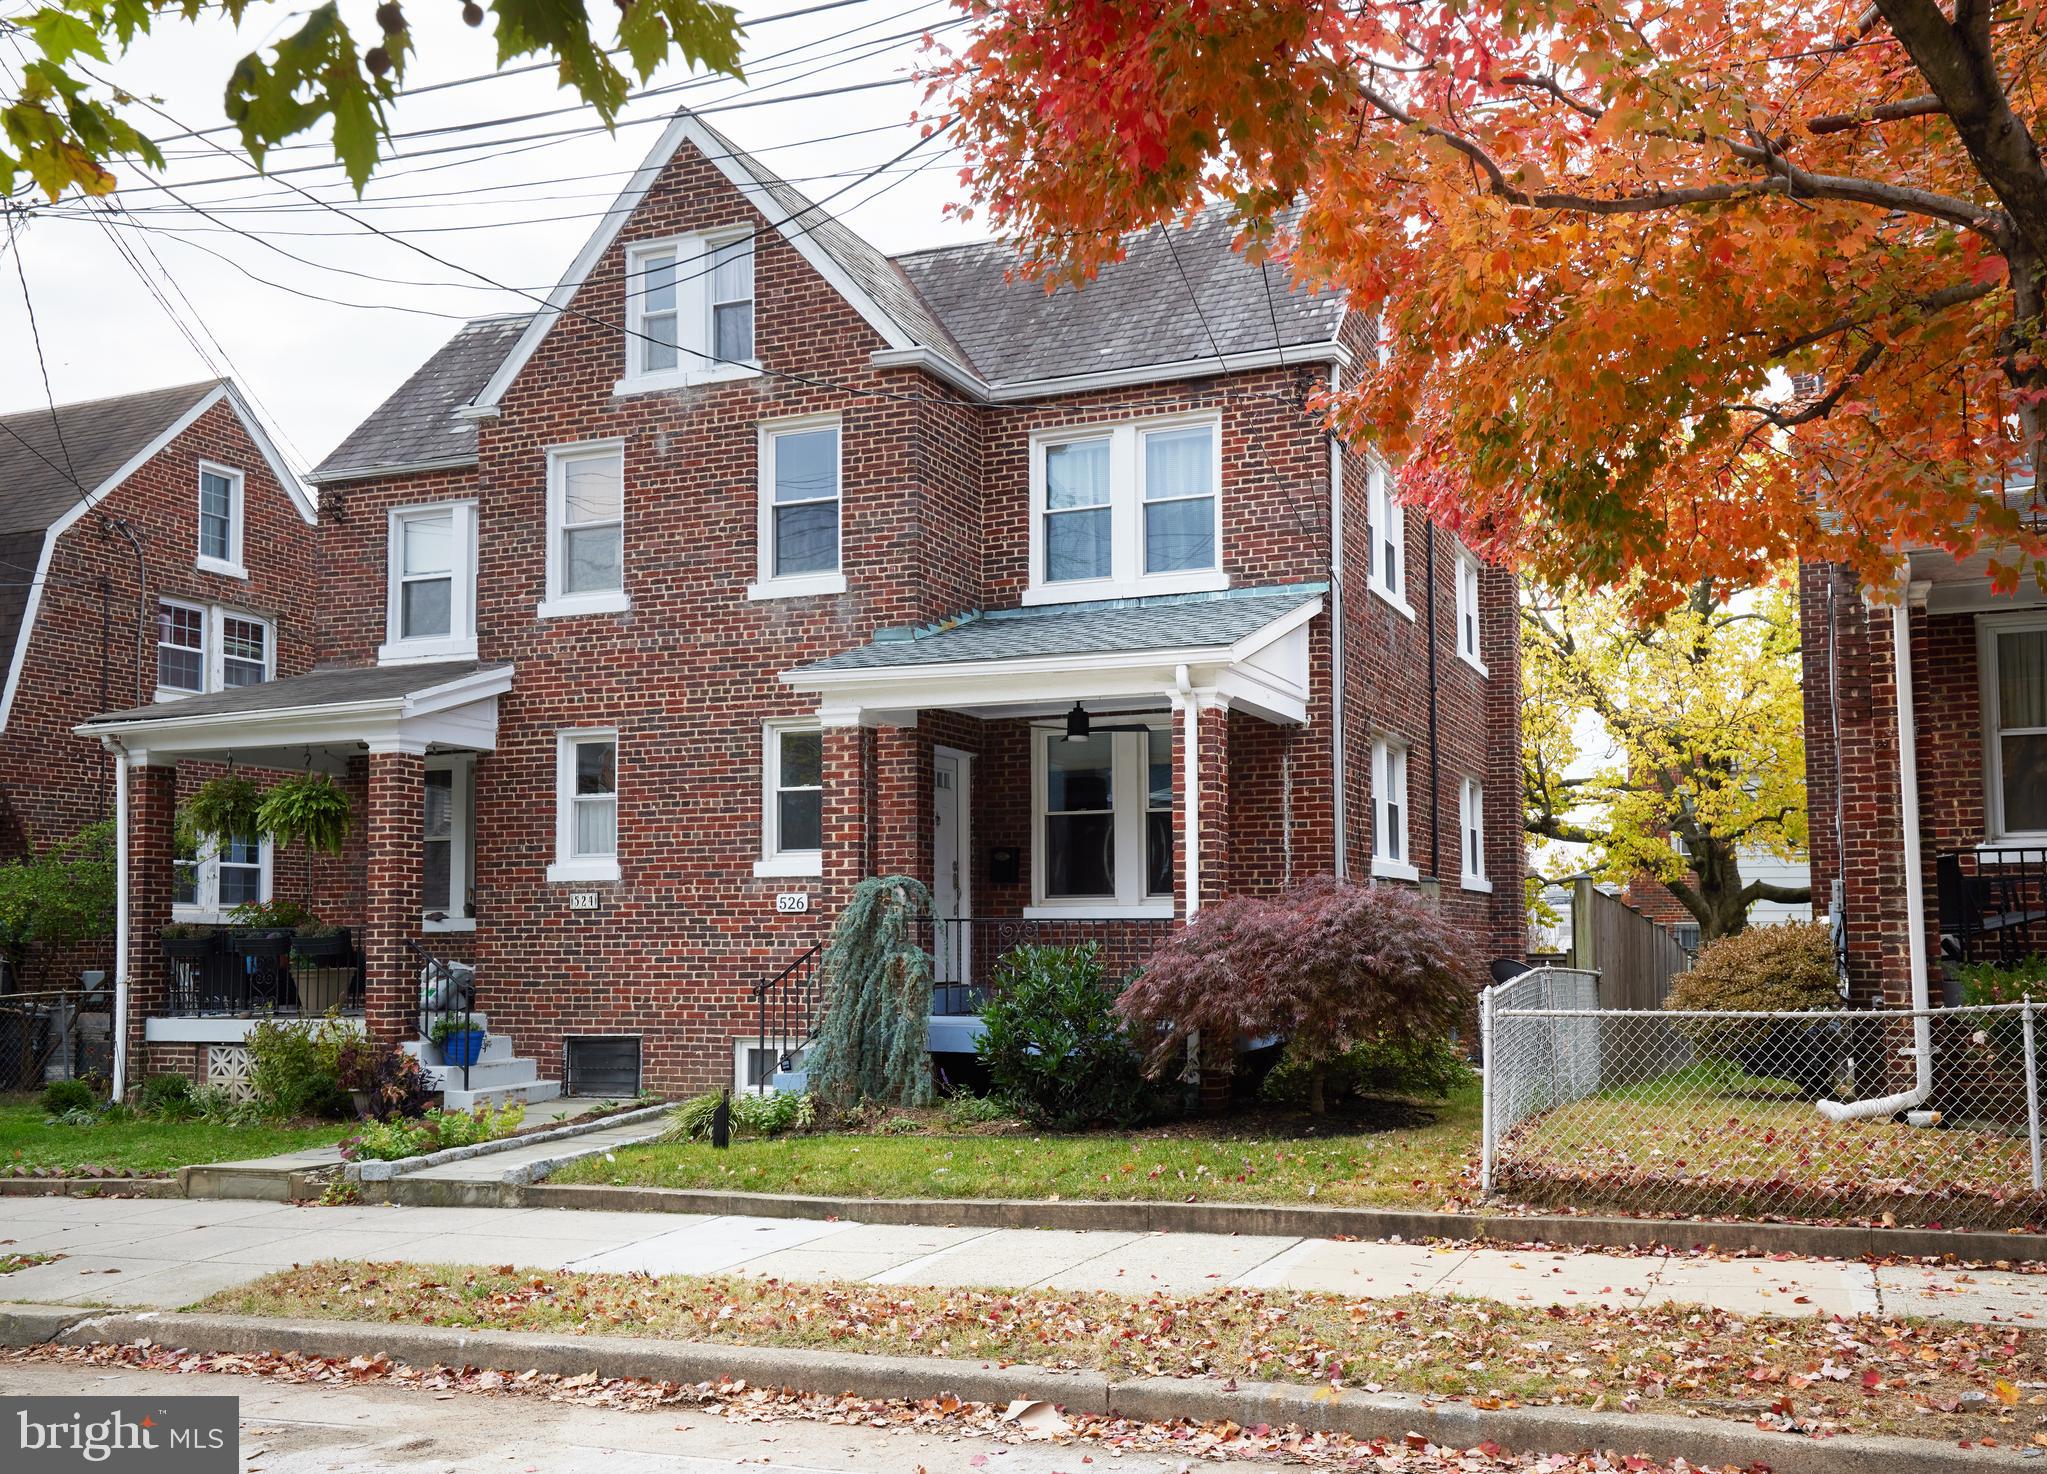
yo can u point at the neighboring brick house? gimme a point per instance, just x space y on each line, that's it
760 562
150 544
1942 760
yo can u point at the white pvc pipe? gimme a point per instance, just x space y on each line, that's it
1915 887
1190 775
120 1082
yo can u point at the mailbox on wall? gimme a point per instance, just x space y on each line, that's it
1005 864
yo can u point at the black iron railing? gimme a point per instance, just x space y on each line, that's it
967 952
447 1009
243 972
1993 903
785 1009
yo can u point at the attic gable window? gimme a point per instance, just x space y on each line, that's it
220 520
689 311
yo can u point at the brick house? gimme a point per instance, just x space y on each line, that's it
154 545
1927 770
759 562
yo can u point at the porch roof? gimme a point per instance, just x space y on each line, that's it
1250 644
326 715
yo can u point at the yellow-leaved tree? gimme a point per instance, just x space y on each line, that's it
1670 748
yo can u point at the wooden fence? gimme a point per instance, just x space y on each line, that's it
1636 958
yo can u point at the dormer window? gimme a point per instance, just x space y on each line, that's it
689 311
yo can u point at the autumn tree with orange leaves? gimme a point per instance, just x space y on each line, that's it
1677 290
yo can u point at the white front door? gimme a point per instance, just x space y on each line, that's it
948 883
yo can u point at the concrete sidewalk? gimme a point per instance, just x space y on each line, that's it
172 1252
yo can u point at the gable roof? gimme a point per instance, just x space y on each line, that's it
46 484
1177 298
47 462
417 427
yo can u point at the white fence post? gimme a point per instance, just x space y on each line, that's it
2032 1089
1485 1096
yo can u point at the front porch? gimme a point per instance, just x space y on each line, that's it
216 935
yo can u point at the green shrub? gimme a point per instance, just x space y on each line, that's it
62 1096
1053 1043
295 1067
752 1115
167 1096
1766 969
1985 983
390 1141
1431 1067
63 895
962 1111
85 1115
218 1104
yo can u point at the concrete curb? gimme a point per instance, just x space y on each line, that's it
1806 1241
385 1171
1384 1416
91 1187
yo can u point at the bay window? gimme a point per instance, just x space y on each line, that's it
1103 818
2012 651
1126 509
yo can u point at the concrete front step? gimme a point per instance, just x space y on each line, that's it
454 1098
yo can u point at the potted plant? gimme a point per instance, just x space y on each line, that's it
460 1041
320 966
263 929
222 807
307 809
184 942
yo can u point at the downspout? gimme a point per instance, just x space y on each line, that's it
1339 687
1190 764
120 1072
1435 755
1915 885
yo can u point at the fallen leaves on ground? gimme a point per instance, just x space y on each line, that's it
1807 1374
736 1401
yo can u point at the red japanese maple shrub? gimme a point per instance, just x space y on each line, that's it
1327 965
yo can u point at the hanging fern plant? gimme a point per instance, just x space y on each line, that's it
874 1040
308 809
224 807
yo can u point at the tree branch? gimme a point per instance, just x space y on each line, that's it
1882 112
1763 890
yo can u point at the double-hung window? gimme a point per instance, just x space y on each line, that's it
586 530
1471 824
448 844
799 523
203 647
1103 815
586 805
1389 810
1468 626
792 799
689 311
430 610
2012 652
1387 576
220 520
1126 509
209 879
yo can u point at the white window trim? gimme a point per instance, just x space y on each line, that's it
1129 759
214 618
558 605
207 910
461 850
567 865
693 361
796 585
460 641
1471 577
745 1043
774 861
1988 628
179 693
1383 513
1127 577
1383 866
231 566
1467 791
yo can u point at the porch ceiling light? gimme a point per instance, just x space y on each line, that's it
1077 729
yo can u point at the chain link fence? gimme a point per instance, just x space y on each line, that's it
1674 1113
59 1034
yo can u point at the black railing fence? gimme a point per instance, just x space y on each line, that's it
786 1006
447 1009
246 972
1993 903
56 1034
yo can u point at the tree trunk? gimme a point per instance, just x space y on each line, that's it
1716 900
1318 1101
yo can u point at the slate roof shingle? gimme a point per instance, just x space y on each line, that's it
91 440
418 425
337 686
1124 626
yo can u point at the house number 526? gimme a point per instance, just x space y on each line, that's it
792 903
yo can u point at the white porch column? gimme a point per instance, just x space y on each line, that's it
120 1072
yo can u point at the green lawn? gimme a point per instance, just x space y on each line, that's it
1277 1161
29 1140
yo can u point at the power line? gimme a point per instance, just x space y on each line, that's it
35 334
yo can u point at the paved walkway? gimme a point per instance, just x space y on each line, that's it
172 1252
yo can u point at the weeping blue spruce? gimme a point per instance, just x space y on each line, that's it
873 1043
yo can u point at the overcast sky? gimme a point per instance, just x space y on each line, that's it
321 319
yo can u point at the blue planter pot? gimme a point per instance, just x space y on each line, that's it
462 1049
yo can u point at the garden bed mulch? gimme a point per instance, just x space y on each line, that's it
1862 1375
